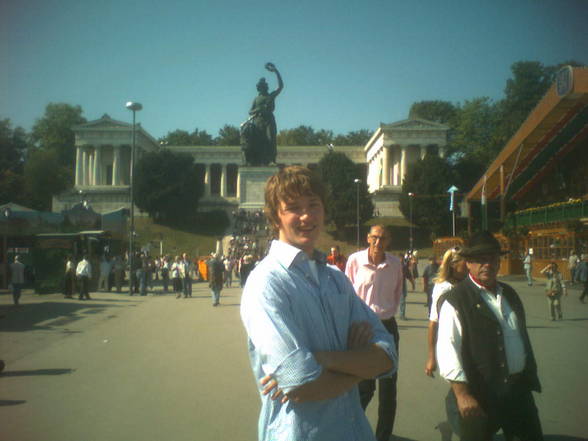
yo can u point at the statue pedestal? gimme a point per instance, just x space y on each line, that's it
251 186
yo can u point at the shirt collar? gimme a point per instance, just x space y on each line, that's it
364 259
484 288
288 255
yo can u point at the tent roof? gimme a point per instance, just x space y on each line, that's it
557 124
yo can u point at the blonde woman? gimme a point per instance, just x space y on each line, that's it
452 271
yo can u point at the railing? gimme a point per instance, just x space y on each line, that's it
560 212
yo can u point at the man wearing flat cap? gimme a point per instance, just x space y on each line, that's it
484 351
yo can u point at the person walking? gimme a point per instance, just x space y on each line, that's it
228 264
582 274
429 275
165 271
119 273
554 290
573 262
69 282
83 274
336 258
17 278
175 276
528 267
377 279
186 270
484 350
215 278
105 269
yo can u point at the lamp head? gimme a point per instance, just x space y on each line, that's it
135 107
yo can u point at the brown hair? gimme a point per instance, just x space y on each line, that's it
287 185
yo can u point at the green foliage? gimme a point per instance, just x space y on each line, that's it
167 186
442 112
338 172
45 176
306 135
429 179
13 145
53 131
357 137
228 135
182 137
213 223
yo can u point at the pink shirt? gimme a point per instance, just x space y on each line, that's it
379 286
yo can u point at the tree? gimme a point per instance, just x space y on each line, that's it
167 186
357 137
301 135
45 176
442 112
228 135
53 132
428 179
339 172
13 145
474 130
182 137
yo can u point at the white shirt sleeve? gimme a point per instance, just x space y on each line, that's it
438 290
449 345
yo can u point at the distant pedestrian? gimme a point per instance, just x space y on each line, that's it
186 271
215 278
165 265
336 258
228 264
429 275
554 290
582 274
573 262
528 267
17 278
119 273
246 267
69 282
84 273
105 269
175 276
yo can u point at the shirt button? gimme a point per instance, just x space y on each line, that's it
498 333
500 348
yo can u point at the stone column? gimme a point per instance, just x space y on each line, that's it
402 163
78 166
386 166
207 181
238 185
395 167
423 151
90 168
84 179
223 182
116 165
97 165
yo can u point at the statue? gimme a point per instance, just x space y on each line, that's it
258 133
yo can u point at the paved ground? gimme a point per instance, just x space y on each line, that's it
156 368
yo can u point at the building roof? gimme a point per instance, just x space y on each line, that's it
556 126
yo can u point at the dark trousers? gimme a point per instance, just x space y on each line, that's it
386 392
84 287
514 412
187 286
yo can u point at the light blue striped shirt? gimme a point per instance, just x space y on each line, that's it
288 316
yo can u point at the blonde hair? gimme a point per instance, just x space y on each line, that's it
445 273
287 185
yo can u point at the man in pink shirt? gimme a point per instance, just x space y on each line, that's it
377 279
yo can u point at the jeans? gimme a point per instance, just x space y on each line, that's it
403 301
529 276
386 392
187 286
215 295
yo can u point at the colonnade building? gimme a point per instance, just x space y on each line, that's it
103 158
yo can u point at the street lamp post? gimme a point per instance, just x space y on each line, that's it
134 107
357 182
410 196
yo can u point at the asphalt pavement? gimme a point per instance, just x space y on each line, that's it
157 368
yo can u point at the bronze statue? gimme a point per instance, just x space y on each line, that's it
258 133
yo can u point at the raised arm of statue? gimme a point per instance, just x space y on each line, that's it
272 68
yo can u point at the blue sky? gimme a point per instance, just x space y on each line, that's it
346 64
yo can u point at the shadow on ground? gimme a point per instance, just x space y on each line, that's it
36 372
38 316
11 402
